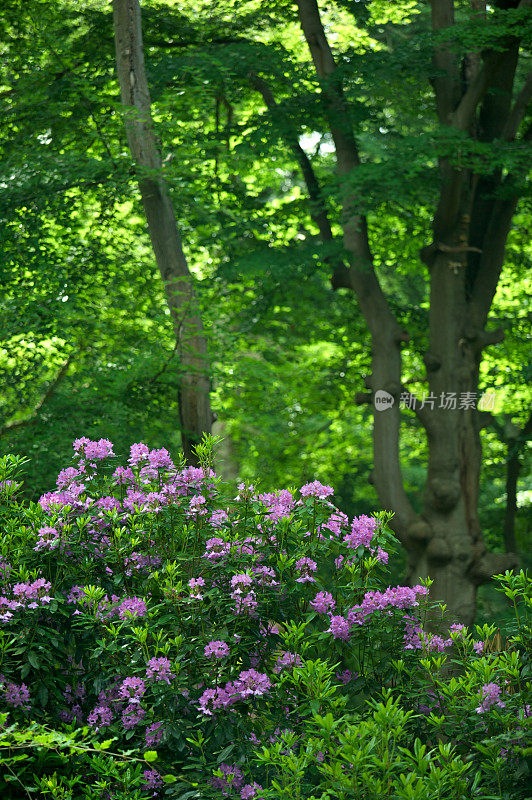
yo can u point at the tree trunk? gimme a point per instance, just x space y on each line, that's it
515 439
465 259
194 402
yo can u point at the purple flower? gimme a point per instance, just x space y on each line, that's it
154 734
160 669
231 777
123 475
346 676
132 690
132 607
9 486
217 649
339 627
336 522
16 695
131 716
240 581
152 779
47 539
251 683
160 459
306 566
323 602
195 585
138 452
265 576
218 518
490 697
197 502
93 451
250 791
362 531
213 699
216 548
287 659
316 489
67 476
100 717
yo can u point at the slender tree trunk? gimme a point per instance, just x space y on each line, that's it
194 402
514 438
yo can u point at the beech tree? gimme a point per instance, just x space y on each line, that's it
474 96
194 401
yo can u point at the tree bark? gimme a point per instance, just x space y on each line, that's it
464 261
194 401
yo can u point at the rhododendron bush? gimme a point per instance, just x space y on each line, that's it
184 643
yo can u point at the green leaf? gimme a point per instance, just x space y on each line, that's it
42 694
151 755
225 752
34 661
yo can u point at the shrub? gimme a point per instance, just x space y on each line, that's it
216 640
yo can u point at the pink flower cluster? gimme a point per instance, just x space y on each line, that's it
317 490
160 669
362 532
216 549
24 596
217 649
490 696
335 523
47 538
154 734
93 451
16 695
195 585
243 593
279 505
323 602
197 506
232 778
132 607
287 659
249 683
305 566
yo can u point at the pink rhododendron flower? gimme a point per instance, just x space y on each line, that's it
217 649
160 669
490 697
132 607
316 489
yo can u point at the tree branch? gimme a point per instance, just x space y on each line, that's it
464 114
491 564
318 212
421 412
492 260
446 79
364 281
385 331
33 417
518 111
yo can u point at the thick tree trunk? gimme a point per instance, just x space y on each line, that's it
465 260
194 403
